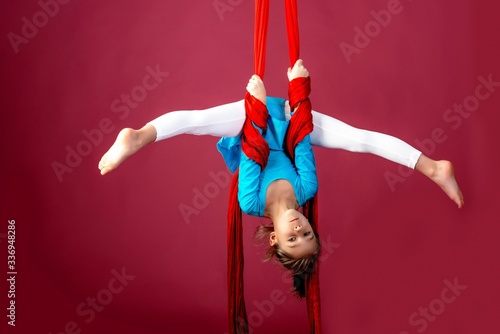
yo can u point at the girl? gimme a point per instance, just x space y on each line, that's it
269 193
227 121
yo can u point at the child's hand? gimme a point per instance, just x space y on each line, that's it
297 71
256 88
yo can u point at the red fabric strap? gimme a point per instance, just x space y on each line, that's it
310 210
235 262
301 125
252 142
301 122
292 29
260 36
257 149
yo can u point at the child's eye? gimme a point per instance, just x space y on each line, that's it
291 239
307 233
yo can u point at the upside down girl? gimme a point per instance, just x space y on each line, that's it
283 186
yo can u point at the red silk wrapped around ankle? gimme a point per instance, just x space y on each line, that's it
252 142
301 121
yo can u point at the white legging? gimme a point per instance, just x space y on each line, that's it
227 121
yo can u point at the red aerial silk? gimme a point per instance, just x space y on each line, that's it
257 149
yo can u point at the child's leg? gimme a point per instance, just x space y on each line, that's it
331 133
221 121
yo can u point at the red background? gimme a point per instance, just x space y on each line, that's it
390 249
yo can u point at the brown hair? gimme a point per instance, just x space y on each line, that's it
301 268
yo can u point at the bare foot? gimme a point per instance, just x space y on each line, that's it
126 144
444 176
256 88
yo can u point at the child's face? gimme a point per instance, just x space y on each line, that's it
294 234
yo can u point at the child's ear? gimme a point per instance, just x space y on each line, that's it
272 239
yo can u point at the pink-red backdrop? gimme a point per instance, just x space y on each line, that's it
143 249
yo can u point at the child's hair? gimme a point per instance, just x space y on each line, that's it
301 268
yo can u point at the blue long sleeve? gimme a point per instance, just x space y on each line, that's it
254 182
305 164
249 187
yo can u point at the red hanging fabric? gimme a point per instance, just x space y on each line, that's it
256 148
253 144
312 292
301 125
301 121
292 29
299 88
260 36
235 261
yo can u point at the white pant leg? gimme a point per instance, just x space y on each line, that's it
331 133
227 121
220 121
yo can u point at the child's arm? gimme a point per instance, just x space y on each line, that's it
305 164
249 184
